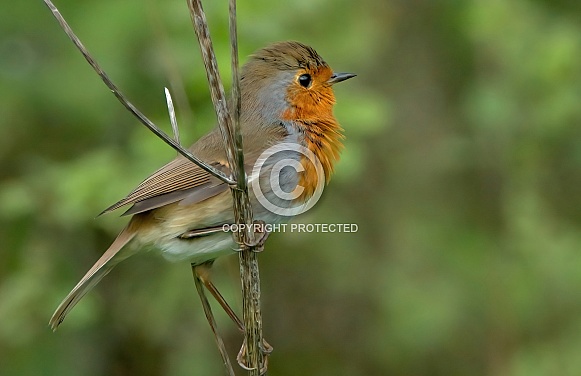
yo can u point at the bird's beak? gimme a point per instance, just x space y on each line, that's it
338 77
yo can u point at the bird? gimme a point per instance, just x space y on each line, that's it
287 98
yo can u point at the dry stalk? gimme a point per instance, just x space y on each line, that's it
255 354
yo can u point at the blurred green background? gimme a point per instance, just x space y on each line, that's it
462 169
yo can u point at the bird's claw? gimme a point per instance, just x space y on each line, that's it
257 245
265 350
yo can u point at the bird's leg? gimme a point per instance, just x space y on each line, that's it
202 273
266 347
258 226
201 232
212 321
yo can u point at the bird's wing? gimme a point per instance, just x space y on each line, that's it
182 180
178 180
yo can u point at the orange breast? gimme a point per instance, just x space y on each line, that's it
311 110
324 140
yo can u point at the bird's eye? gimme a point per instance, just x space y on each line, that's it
305 80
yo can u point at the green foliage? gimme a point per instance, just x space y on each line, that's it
462 170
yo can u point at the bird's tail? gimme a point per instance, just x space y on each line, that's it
110 258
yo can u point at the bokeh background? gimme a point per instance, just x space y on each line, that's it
462 170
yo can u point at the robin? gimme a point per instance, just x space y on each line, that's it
181 210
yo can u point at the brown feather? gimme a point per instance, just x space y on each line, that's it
177 178
101 268
186 197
